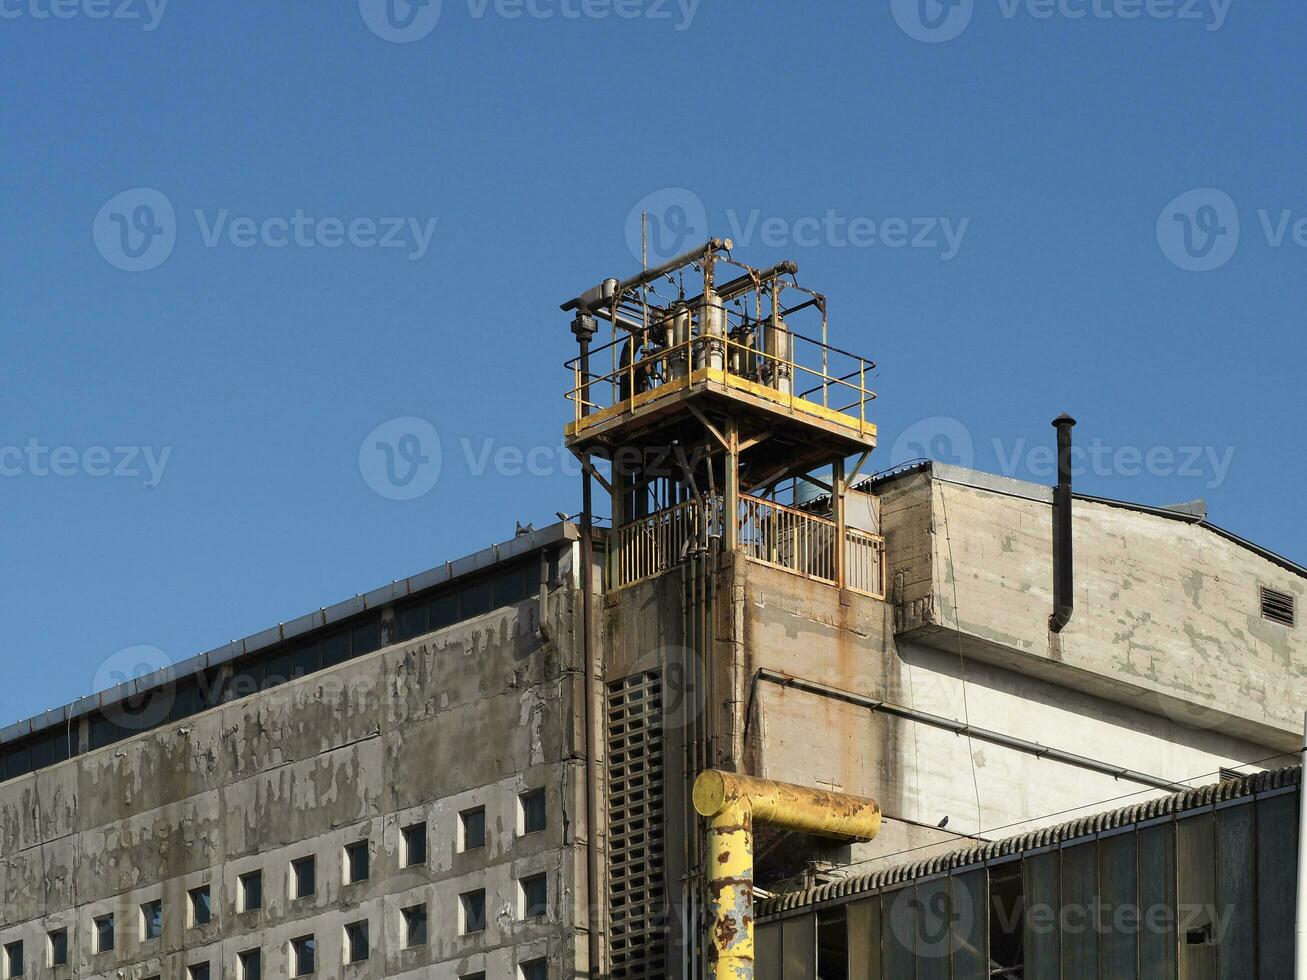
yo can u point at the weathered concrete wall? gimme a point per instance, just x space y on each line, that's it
471 715
1167 613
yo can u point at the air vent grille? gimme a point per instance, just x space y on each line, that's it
636 893
1278 606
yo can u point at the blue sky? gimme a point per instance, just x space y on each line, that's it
375 212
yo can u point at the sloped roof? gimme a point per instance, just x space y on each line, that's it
1194 799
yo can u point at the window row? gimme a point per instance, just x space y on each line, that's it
532 904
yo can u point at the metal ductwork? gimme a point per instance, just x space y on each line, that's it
732 803
1064 600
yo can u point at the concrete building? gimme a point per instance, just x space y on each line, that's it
487 768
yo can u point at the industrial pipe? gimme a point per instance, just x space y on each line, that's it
606 290
1300 910
732 803
1064 600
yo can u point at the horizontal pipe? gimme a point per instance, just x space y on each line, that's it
980 734
813 811
649 275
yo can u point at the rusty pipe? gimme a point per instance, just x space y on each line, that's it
732 803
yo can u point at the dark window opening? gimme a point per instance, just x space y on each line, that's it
1007 910
201 906
104 933
251 886
304 956
473 908
356 862
415 845
304 877
474 828
535 897
532 805
59 947
832 944
415 926
356 942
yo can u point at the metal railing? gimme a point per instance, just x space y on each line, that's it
788 538
648 546
864 562
772 534
811 373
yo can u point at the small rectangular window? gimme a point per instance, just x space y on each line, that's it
251 964
303 956
413 621
152 920
104 937
1278 607
356 862
472 911
473 828
251 888
304 877
201 906
14 966
59 947
305 659
535 970
415 926
443 611
534 896
415 845
357 946
479 975
198 971
335 649
531 818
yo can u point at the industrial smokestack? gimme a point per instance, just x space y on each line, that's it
1064 602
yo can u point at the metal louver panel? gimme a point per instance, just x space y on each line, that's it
637 913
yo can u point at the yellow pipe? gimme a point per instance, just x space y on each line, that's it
732 802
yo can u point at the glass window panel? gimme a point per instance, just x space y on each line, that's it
306 658
1195 866
1119 918
799 942
276 670
897 929
1157 902
335 649
1043 900
864 939
476 599
768 964
1079 912
443 611
513 585
933 935
832 944
970 925
366 637
413 621
1277 857
1236 893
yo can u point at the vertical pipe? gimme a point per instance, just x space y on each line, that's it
1300 913
584 327
730 893
1063 568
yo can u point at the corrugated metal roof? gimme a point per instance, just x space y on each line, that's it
1194 799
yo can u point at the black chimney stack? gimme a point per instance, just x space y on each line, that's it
1064 602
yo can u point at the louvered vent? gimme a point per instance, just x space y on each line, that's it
1277 606
637 910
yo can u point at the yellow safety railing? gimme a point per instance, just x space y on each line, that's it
648 546
813 374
